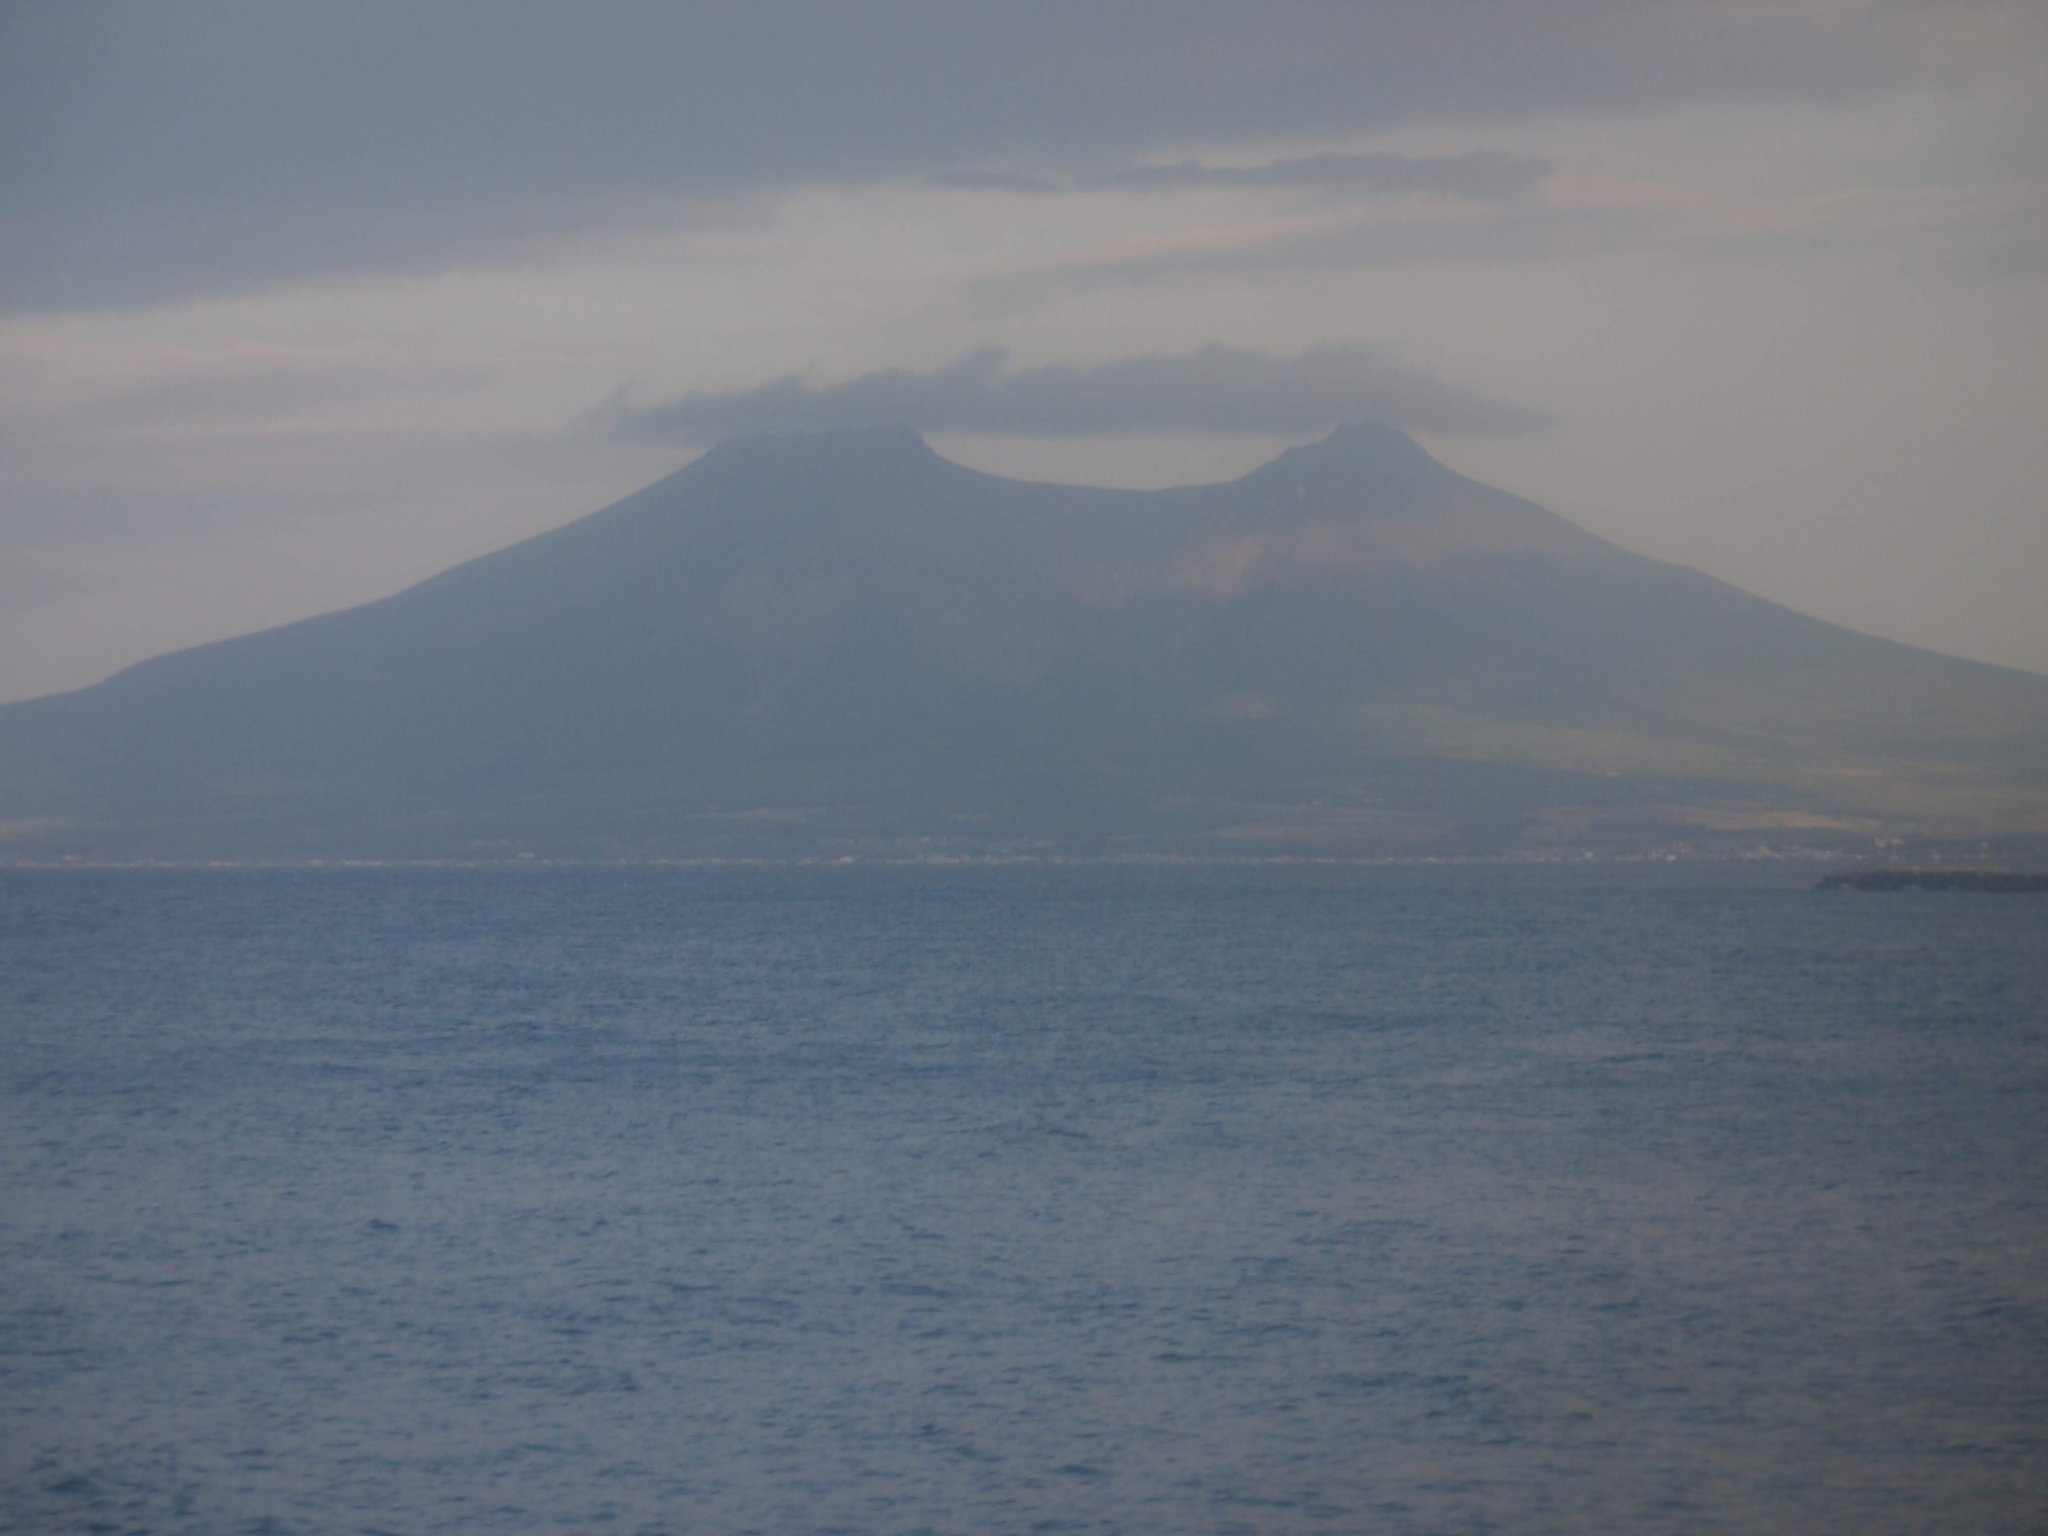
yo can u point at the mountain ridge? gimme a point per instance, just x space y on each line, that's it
812 641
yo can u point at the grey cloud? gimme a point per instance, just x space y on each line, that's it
1213 389
1478 174
158 150
1521 237
1483 174
1970 238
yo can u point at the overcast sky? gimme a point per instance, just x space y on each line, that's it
301 303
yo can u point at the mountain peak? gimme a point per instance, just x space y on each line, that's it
1361 447
1365 459
848 447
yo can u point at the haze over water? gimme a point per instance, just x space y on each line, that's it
868 1200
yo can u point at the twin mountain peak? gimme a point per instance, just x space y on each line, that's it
841 642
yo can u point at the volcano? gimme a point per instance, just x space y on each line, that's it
842 643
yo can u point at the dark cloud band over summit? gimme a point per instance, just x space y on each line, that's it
1213 389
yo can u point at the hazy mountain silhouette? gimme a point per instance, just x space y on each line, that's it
843 641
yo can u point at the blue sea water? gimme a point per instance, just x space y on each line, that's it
1015 1200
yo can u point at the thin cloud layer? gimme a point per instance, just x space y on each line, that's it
1484 174
1522 235
1213 389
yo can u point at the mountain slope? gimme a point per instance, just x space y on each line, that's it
843 640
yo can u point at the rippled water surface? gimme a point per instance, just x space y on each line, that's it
1005 1201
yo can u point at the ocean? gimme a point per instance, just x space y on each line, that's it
989 1200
